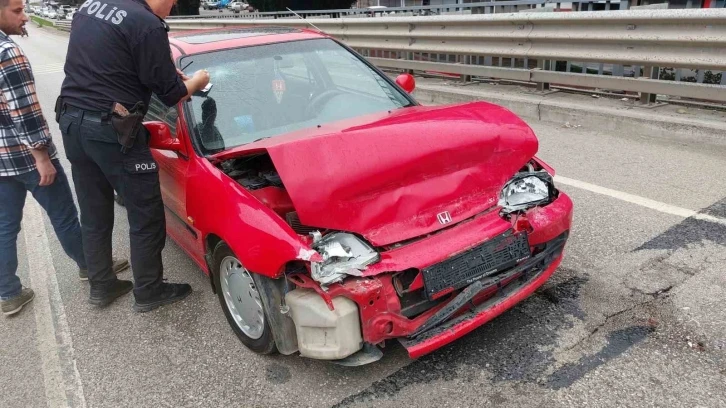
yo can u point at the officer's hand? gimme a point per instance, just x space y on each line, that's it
181 74
202 78
47 172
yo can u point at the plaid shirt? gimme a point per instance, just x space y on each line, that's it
22 125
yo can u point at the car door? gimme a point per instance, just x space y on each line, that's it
173 173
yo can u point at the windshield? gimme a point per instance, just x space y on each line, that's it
264 91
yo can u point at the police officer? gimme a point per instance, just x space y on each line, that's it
118 55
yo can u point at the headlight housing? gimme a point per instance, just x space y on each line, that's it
527 189
343 254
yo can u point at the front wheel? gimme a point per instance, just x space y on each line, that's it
241 301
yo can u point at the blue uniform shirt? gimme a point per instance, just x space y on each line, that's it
119 52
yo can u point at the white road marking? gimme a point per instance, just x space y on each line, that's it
63 387
637 200
48 69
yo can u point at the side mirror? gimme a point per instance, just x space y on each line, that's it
407 82
160 137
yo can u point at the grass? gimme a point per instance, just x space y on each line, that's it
41 21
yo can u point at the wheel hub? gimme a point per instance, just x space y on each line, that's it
242 298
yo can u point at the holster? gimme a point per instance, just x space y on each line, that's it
58 109
127 127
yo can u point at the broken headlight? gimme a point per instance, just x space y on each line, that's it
343 254
525 190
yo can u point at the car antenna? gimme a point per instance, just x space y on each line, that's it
298 16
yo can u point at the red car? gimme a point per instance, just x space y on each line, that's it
332 212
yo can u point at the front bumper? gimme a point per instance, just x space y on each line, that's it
455 315
492 296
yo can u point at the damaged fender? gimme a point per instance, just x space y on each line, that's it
267 242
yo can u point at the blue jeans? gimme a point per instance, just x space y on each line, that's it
58 203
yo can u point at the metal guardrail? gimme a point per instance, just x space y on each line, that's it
645 41
64 25
488 7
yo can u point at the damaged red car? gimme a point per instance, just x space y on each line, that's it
333 213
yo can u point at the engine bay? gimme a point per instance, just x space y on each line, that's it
253 172
257 174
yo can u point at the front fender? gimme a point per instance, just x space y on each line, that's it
263 242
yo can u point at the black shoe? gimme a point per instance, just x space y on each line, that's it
118 266
167 294
103 297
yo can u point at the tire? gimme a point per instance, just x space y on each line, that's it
259 338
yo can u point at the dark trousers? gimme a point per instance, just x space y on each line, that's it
57 201
99 167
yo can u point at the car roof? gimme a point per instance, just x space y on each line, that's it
198 41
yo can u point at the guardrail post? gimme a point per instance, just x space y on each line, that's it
652 73
544 65
467 61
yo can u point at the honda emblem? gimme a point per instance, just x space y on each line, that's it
444 217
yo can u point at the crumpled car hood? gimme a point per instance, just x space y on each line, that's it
389 179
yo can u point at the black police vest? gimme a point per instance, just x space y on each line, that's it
106 64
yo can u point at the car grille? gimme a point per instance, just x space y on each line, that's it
492 257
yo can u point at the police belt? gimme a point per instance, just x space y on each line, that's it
127 127
83 114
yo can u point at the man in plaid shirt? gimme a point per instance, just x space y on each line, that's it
28 162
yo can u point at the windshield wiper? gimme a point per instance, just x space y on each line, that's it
187 66
262 138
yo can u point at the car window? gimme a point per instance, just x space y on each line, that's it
347 72
268 90
158 111
293 65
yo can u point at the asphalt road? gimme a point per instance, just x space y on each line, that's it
635 317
